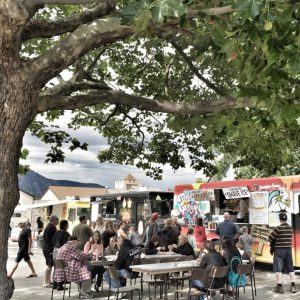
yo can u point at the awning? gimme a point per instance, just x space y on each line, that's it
78 204
22 208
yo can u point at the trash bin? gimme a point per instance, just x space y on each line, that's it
40 241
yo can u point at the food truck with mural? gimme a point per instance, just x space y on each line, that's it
263 198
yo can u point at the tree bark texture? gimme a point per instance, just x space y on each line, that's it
17 99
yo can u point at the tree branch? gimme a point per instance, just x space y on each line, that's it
32 3
194 69
44 29
69 87
82 40
50 102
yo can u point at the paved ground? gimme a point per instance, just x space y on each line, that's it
31 288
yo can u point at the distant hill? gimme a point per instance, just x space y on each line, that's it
35 184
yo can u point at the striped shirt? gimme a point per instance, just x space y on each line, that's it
282 235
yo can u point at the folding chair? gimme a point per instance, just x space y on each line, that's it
60 264
112 272
198 274
218 273
247 270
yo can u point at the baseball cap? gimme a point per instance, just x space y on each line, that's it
154 216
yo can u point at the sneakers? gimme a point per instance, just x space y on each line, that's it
278 289
84 295
122 295
293 289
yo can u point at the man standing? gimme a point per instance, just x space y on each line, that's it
83 232
152 227
227 228
24 250
48 248
281 238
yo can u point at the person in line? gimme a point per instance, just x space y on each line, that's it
112 248
153 245
184 247
227 228
246 240
168 235
94 248
191 237
100 224
76 267
40 224
82 231
109 232
135 237
152 228
93 226
281 236
48 248
200 234
61 236
24 252
211 259
125 258
176 226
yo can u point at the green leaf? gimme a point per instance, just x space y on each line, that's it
131 11
141 21
249 8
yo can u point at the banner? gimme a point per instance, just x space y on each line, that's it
236 192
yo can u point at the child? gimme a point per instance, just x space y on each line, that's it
191 237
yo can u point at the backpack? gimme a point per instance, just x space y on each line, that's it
233 278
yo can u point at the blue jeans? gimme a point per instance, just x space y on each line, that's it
117 283
199 285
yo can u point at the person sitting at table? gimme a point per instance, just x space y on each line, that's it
153 245
94 248
109 232
76 267
168 235
191 237
112 248
211 259
229 250
125 258
183 247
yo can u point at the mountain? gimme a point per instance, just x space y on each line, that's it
35 184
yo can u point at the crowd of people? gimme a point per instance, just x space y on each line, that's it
101 238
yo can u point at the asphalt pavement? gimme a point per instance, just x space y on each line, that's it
32 289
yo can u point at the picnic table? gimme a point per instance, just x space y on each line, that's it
165 269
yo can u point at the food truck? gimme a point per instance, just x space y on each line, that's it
132 207
265 198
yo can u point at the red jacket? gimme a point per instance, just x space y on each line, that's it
199 233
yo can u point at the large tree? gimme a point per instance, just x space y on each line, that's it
154 77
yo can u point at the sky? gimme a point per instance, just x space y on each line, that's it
83 166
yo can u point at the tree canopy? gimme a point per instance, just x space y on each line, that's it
168 78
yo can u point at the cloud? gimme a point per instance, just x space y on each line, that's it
83 166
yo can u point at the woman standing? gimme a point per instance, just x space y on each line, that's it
200 235
40 224
109 232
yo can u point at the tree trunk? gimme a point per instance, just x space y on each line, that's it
16 111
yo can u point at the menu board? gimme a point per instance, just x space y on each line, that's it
258 208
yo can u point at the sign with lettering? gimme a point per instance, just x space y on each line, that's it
236 192
258 208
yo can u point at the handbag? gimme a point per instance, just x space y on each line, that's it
233 278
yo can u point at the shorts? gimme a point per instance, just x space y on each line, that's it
49 257
283 260
22 254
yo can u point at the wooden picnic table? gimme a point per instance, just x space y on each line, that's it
165 269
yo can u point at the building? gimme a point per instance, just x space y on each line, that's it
128 183
68 202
